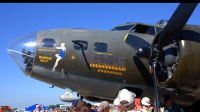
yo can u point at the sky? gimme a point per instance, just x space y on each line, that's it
17 19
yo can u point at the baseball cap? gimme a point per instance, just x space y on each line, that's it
166 97
116 101
75 102
37 105
146 101
126 95
103 105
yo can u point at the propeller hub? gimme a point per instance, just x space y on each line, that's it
146 53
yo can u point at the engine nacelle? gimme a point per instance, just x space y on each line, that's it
68 96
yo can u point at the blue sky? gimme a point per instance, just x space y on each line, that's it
17 19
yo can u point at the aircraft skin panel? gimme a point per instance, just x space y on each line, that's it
46 76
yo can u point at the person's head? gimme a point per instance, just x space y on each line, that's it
62 44
104 107
167 100
138 104
89 106
82 106
116 106
126 99
92 107
146 103
96 107
38 106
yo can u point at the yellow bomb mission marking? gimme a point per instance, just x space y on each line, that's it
109 72
73 57
110 67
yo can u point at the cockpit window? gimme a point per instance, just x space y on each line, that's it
144 29
48 42
100 47
78 47
125 27
158 29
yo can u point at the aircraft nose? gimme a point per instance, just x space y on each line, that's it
22 51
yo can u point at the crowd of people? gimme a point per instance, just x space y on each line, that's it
126 101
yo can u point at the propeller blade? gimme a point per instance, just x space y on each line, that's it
143 71
175 24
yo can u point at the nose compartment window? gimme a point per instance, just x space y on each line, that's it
100 47
78 47
22 51
144 29
48 42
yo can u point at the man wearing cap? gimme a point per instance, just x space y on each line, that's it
171 106
146 103
37 109
104 107
126 99
117 107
